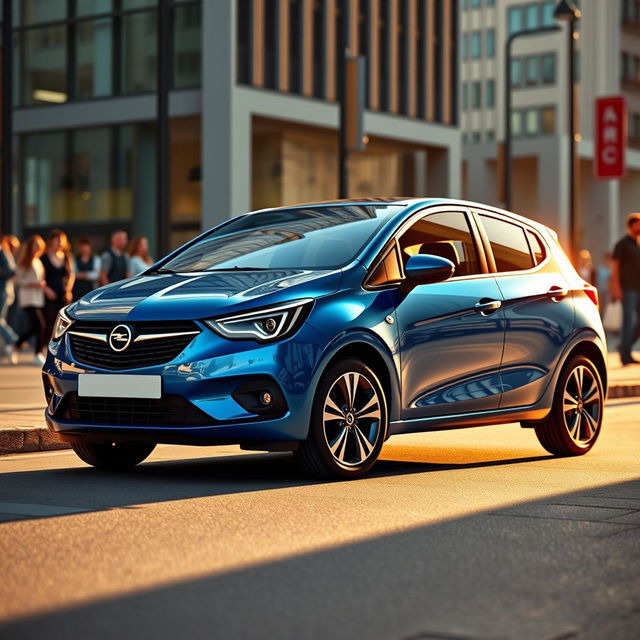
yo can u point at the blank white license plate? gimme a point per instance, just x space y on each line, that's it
119 386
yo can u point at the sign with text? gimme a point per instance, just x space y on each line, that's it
610 137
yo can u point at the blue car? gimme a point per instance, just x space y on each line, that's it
325 329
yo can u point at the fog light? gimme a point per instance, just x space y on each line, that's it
271 325
266 398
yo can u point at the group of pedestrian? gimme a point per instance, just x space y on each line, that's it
38 278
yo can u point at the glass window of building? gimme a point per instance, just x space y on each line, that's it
491 43
514 19
138 52
35 11
465 95
476 95
532 122
475 4
91 7
491 94
44 60
243 42
548 120
90 164
516 123
476 45
491 3
549 68
93 59
138 4
516 72
533 16
46 182
532 70
548 9
187 45
476 137
465 46
490 135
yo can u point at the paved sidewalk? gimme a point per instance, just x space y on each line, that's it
22 403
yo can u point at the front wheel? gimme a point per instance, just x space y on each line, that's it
575 420
113 455
348 424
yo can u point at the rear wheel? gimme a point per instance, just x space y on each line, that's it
113 455
574 424
348 424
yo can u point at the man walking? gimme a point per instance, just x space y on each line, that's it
114 261
625 286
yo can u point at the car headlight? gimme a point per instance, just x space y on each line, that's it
263 325
63 322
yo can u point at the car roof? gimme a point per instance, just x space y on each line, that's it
411 201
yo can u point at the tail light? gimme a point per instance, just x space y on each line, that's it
592 294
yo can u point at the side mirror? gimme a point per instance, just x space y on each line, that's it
427 269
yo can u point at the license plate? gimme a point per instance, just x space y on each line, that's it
119 386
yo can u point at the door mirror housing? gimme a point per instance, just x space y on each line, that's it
427 269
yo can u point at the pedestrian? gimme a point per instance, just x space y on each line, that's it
14 314
625 286
86 268
139 259
114 261
58 269
585 266
31 297
603 282
7 296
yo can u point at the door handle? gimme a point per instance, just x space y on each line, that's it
557 293
487 306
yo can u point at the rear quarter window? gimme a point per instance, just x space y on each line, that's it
537 248
508 244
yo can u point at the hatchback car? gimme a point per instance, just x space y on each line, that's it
325 329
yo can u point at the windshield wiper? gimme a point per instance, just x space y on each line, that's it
236 268
163 270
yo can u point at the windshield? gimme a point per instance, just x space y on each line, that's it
324 237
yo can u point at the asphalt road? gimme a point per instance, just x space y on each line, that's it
463 534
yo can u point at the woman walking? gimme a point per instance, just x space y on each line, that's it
7 296
30 278
86 269
58 268
139 259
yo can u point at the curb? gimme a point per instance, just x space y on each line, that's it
29 439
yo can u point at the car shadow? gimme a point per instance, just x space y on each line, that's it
88 489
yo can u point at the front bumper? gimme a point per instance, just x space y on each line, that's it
219 379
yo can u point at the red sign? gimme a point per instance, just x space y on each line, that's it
611 137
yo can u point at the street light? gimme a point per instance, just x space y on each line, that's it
567 12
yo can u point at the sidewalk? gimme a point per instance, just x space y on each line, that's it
22 403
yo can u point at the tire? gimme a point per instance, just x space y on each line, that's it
117 455
575 421
342 444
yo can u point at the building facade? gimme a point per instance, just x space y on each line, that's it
607 63
253 108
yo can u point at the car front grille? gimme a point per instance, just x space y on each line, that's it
168 340
167 411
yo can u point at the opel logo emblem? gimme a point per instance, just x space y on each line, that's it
120 337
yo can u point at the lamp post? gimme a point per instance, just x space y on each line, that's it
509 106
567 12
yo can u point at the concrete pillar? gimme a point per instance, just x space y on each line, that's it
226 128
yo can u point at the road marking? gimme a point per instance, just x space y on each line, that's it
25 509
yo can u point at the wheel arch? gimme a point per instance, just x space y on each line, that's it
591 350
379 363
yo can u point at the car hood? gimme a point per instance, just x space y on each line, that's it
183 296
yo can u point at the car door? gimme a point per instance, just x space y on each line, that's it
451 333
538 308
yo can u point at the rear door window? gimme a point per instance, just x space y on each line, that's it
537 247
508 243
446 234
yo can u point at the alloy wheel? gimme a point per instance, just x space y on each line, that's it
582 406
351 419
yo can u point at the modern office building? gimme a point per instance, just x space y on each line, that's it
253 108
608 63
